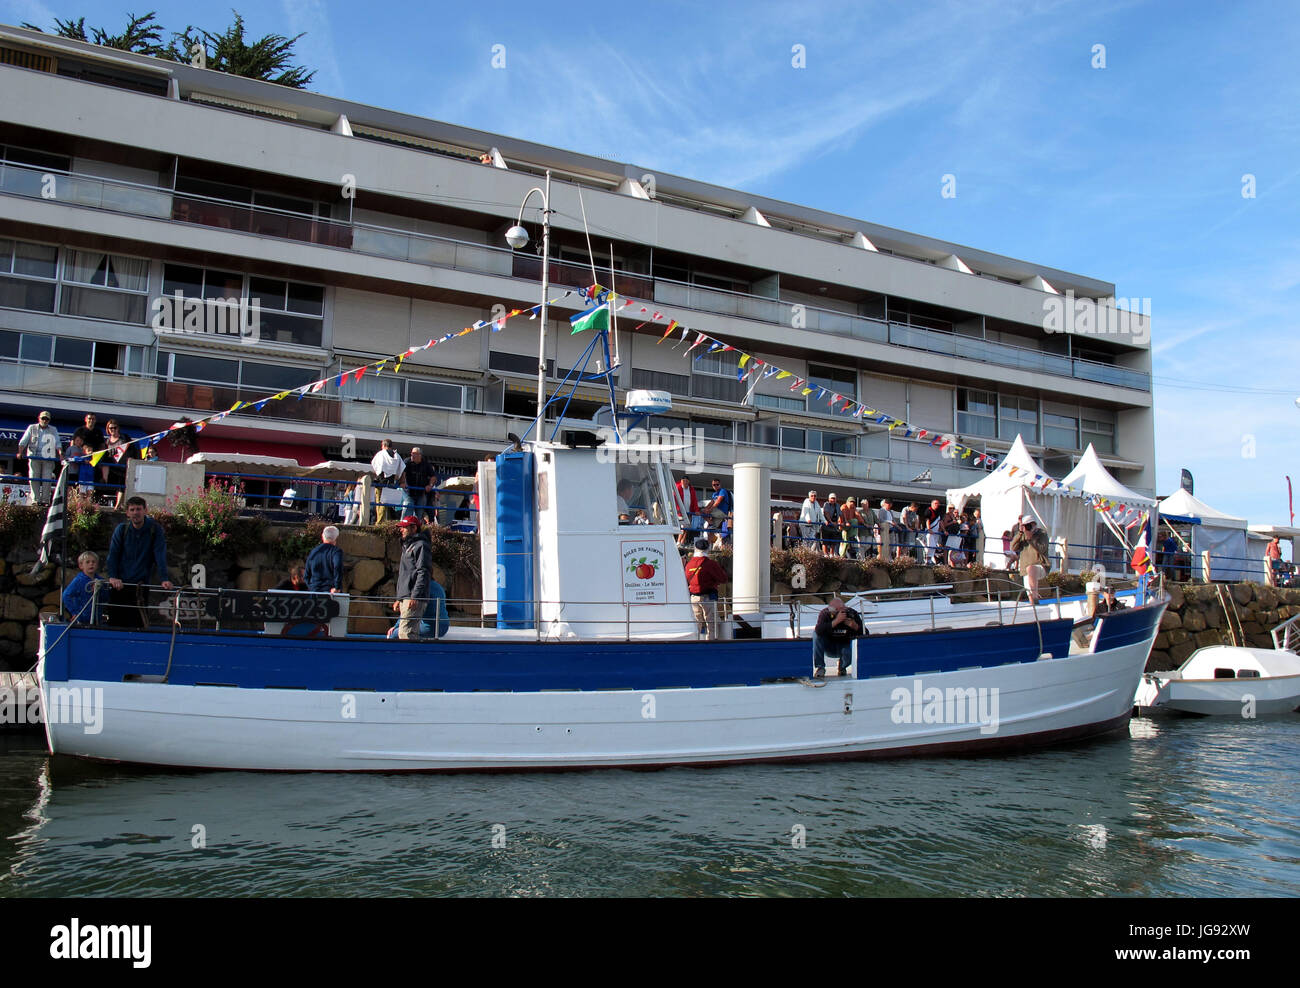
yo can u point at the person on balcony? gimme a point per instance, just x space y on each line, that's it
39 445
831 525
850 529
885 528
388 469
420 483
810 520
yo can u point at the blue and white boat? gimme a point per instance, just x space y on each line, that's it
594 659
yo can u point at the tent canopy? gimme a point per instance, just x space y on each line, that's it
1000 481
1183 507
1092 477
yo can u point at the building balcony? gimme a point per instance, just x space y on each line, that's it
448 430
164 204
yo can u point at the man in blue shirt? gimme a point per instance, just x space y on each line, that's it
137 551
324 570
718 509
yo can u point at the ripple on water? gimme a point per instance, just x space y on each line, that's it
1195 807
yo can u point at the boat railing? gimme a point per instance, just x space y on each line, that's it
1286 636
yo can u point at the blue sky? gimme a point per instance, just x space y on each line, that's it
1132 173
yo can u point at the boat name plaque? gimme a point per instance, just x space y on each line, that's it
261 605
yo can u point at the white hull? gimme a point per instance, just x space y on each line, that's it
1266 681
1230 697
308 730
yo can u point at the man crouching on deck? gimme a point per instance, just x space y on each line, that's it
413 575
837 626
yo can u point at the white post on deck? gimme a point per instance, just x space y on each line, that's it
751 560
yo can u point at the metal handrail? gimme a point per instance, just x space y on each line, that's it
1286 636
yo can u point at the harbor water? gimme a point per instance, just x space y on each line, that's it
1180 807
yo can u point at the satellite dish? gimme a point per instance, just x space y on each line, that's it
649 402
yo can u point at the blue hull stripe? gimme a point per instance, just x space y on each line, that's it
265 662
1128 627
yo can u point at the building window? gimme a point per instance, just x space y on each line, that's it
780 403
120 286
27 274
435 394
1018 416
289 312
718 363
677 384
794 438
833 379
831 442
977 413
1100 433
1061 431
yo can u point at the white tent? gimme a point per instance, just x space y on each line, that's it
1223 536
1019 487
1005 495
1091 540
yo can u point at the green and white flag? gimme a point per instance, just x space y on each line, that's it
597 318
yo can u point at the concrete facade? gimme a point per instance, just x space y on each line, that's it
247 179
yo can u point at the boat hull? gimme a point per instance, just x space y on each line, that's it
1022 704
1230 697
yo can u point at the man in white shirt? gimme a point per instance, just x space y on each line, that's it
40 445
885 528
810 520
388 468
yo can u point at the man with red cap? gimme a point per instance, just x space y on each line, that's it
413 575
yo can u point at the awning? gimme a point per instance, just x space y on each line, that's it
300 454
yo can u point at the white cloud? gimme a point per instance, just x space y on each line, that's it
316 50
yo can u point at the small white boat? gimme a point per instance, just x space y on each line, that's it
1230 680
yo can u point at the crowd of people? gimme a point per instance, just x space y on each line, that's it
41 449
137 561
854 529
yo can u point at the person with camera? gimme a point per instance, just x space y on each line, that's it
1030 542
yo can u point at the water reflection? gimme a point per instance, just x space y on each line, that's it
1196 808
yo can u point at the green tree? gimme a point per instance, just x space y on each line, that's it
269 58
143 35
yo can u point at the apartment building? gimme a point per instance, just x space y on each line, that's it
361 232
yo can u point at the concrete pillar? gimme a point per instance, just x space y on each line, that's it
751 561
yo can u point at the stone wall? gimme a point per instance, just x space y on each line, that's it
370 569
1196 618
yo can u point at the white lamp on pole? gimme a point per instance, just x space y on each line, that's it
517 237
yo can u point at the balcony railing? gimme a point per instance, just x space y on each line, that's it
156 203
